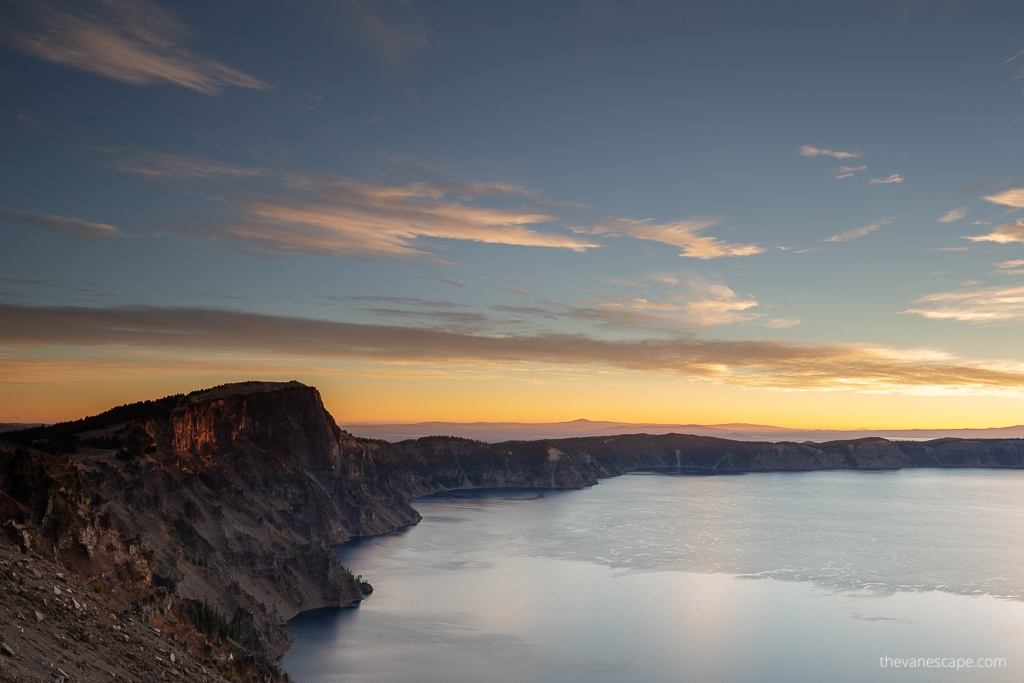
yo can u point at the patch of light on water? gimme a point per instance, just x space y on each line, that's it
782 576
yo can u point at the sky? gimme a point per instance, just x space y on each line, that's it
800 214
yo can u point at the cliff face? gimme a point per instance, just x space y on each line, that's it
226 496
284 418
438 463
620 454
234 495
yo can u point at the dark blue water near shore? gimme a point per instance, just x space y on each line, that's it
653 577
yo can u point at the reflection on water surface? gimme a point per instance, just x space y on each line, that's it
761 577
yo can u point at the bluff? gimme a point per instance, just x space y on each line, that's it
223 498
231 497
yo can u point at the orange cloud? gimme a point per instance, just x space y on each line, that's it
847 171
715 304
74 227
281 213
682 234
808 151
764 364
284 213
1005 234
1013 198
858 232
979 305
166 166
395 30
954 215
705 304
135 42
345 217
781 323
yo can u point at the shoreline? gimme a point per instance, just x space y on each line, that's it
400 582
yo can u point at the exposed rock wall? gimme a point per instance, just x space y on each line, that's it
438 463
621 454
235 505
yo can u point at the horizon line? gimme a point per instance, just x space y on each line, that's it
720 425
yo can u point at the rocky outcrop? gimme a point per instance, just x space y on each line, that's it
226 497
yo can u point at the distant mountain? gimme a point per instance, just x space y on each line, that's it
494 432
14 426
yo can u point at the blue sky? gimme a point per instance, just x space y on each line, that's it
804 213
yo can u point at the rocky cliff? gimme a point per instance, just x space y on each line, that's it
231 497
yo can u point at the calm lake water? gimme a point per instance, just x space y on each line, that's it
784 577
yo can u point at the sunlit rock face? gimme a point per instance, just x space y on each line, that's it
284 418
231 495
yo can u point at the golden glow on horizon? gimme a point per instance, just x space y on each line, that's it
637 397
355 393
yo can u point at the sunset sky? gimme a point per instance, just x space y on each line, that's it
801 214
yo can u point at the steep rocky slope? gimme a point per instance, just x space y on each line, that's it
230 498
226 497
56 627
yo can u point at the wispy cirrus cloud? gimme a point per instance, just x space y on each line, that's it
1013 198
977 305
468 322
703 303
847 171
858 232
132 41
73 227
1004 234
808 151
279 213
451 281
339 216
762 364
394 29
781 323
715 304
22 118
894 178
398 300
954 215
177 167
683 234
1011 264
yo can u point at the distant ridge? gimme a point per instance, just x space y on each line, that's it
15 426
493 432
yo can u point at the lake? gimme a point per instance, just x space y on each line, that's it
808 576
